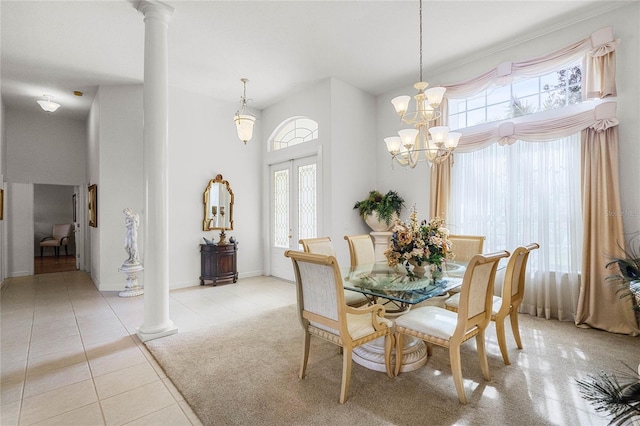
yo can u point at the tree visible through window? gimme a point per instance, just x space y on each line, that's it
527 96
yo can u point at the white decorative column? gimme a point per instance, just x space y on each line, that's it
155 179
381 242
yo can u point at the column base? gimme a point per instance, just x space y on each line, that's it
145 337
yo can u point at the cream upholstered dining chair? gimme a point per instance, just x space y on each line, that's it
323 245
320 245
466 246
361 249
439 326
59 237
507 304
323 313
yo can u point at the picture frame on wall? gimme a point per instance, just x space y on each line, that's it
93 205
1 204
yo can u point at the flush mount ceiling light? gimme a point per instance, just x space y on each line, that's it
244 119
47 105
425 142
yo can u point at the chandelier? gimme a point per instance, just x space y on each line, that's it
423 143
243 118
47 105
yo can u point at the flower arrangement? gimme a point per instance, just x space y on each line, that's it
419 244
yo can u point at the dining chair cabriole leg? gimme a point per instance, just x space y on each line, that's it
456 372
502 341
305 354
482 356
346 373
515 327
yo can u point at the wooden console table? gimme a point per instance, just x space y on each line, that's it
218 263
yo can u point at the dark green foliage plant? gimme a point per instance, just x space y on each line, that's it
385 205
619 396
626 269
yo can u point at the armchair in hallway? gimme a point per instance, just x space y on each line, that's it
59 237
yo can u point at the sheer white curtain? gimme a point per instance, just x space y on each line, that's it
522 193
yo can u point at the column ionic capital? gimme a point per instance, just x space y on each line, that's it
155 9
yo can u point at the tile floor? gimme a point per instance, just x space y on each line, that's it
70 355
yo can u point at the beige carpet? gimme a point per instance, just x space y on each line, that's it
246 374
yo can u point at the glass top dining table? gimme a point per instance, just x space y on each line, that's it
393 284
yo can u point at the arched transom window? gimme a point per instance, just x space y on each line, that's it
294 131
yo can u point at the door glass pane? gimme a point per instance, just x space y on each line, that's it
307 207
281 208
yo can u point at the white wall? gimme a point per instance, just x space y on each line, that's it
45 148
3 167
115 161
345 135
3 139
40 148
19 214
92 167
353 165
203 143
414 184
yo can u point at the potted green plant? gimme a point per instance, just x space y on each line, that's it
626 269
380 210
619 394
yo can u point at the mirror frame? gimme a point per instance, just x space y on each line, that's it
205 221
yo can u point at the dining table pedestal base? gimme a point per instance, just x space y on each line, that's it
371 355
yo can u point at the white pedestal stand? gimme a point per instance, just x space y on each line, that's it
371 355
132 288
381 242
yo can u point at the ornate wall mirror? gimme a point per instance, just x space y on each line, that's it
218 207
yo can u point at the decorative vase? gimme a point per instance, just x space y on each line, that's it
436 273
378 225
418 270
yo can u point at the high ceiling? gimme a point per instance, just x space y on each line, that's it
57 47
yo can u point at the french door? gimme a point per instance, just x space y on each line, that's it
293 209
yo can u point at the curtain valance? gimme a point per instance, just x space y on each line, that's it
541 127
598 44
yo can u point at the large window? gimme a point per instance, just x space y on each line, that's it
524 193
525 96
521 193
295 131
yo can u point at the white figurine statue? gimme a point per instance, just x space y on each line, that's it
132 265
131 240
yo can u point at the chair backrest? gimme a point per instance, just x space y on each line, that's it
361 249
320 245
476 295
320 290
515 275
466 246
61 230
